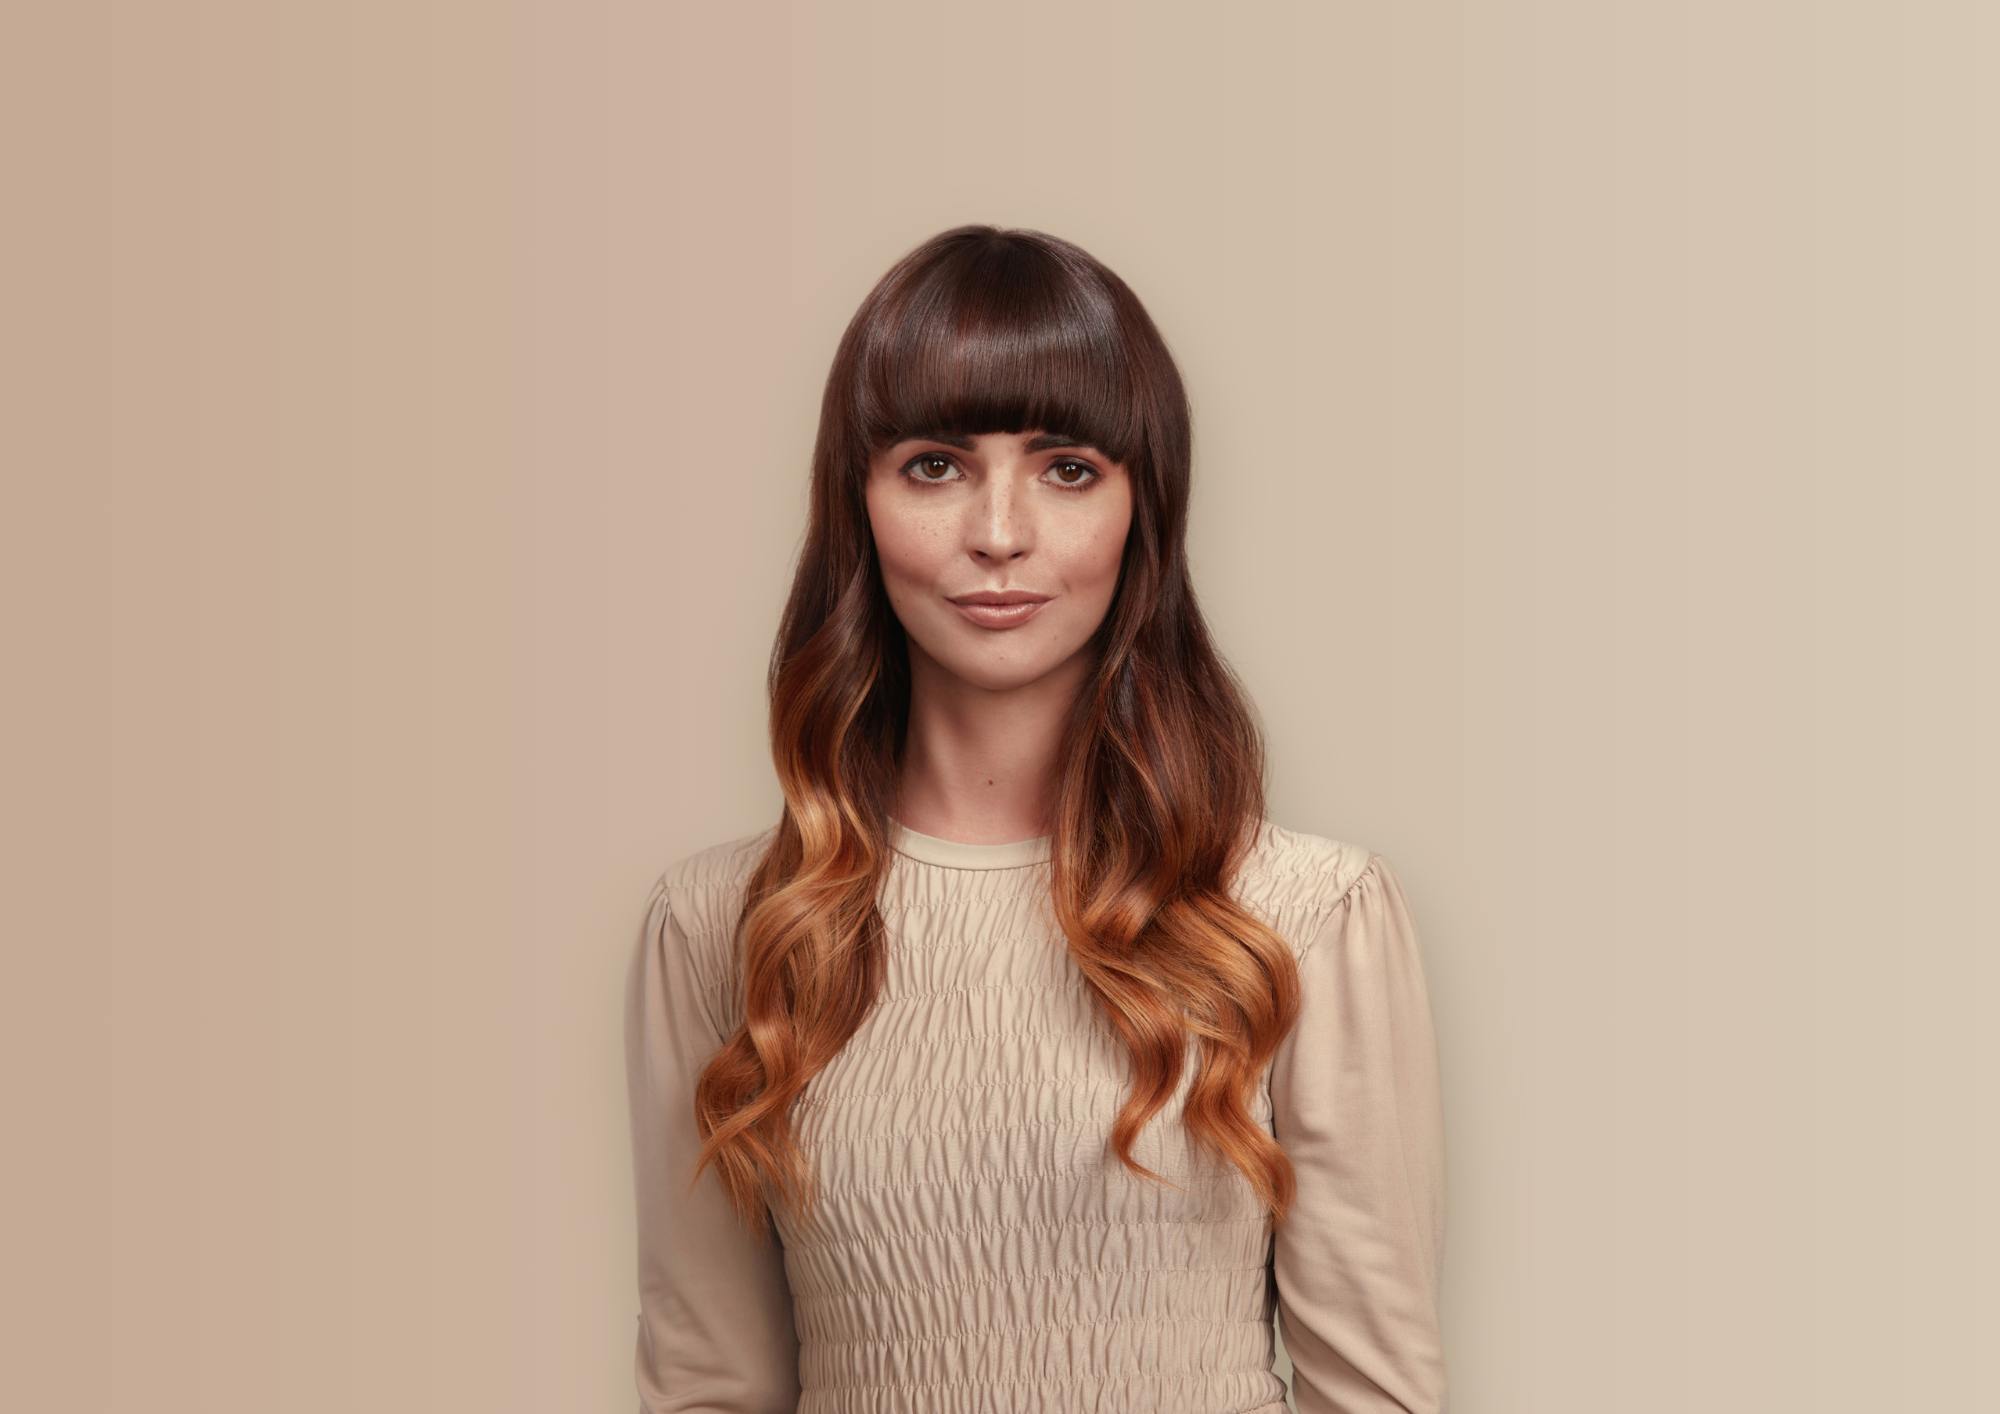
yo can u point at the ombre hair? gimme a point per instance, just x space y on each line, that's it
1158 791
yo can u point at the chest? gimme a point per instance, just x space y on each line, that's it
975 1105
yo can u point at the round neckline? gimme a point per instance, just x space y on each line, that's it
950 854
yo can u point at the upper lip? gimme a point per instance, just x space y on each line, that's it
1000 596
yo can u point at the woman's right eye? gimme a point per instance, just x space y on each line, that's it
932 468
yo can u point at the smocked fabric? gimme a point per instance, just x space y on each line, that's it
975 1248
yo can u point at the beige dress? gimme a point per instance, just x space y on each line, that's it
976 1249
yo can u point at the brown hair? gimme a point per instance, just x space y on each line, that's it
1159 787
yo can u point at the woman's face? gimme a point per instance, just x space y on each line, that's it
1000 552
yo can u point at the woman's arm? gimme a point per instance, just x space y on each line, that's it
1354 1095
715 1324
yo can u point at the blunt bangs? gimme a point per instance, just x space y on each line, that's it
1000 335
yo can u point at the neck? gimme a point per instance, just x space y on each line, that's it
979 764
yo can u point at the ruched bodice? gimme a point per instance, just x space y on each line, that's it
975 1247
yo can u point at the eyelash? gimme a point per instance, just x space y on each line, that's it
910 472
1091 480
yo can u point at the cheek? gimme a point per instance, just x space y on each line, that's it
1098 551
1107 554
892 548
912 547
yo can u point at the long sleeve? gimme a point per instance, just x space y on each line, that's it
1355 1104
715 1325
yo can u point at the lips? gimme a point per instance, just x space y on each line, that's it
999 608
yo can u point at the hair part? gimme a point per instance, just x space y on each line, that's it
1159 779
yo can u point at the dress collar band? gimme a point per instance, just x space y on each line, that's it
928 849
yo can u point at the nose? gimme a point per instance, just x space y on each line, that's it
1001 528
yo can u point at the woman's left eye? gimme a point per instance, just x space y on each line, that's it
1071 474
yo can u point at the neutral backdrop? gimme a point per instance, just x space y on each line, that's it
406 415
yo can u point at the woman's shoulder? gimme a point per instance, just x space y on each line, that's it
1296 880
1279 857
705 890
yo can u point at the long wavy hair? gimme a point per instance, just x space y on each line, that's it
1158 789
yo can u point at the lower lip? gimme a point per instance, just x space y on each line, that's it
1001 615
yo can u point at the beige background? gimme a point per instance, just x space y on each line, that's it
406 411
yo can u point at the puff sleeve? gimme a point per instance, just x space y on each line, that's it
1355 1105
715 1323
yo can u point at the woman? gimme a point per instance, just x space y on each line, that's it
1051 1062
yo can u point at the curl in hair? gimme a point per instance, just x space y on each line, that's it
1159 781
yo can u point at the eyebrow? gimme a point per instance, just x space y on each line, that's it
1040 442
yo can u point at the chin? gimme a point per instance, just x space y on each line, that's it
978 665
993 678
